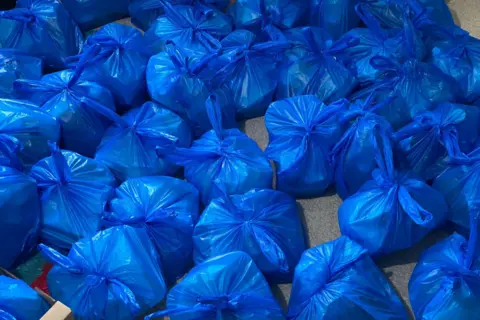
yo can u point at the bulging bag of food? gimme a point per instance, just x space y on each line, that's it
93 14
335 16
225 286
167 208
17 65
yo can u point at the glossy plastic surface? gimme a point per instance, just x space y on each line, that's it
17 65
90 14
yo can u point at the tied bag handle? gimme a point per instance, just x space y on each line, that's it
370 21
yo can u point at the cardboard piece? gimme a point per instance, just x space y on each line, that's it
58 310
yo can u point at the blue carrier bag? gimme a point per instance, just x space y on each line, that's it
459 185
83 108
91 14
432 135
31 126
197 29
167 208
357 47
145 12
224 287
445 283
263 223
302 131
128 146
176 81
353 156
20 302
393 211
116 274
17 65
43 28
317 73
335 16
228 155
242 60
74 191
458 55
116 57
339 280
268 18
19 208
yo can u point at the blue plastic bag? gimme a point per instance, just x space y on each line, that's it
197 29
31 126
116 57
20 302
145 12
244 60
225 287
357 47
176 81
267 18
167 208
79 108
446 130
17 65
92 14
459 185
43 28
445 283
19 213
74 191
302 131
116 274
228 155
354 154
393 211
263 223
335 16
339 280
128 146
318 73
459 56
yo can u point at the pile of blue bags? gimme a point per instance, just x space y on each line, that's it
123 162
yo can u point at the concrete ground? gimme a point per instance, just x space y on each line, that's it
321 213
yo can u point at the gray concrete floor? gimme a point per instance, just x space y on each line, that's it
321 213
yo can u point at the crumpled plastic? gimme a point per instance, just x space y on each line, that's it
116 274
250 70
145 12
268 18
177 81
339 280
80 107
116 57
74 191
43 28
354 154
17 65
93 14
19 213
20 302
335 16
227 286
358 46
459 184
316 73
196 29
263 223
431 136
228 155
31 126
167 208
302 131
128 146
445 283
458 55
393 211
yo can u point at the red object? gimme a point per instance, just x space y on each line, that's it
41 281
